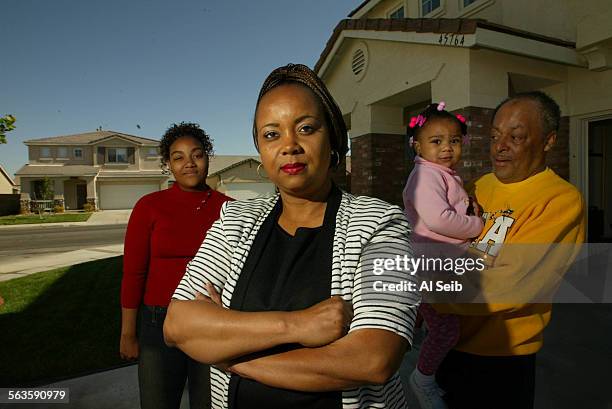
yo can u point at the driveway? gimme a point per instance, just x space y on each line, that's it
110 217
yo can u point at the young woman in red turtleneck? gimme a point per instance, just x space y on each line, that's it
165 231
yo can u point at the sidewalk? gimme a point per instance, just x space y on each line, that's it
117 389
98 218
566 352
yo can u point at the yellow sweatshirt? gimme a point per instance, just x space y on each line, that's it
538 211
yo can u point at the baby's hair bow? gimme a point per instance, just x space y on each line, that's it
418 120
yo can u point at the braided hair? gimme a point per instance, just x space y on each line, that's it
302 75
434 111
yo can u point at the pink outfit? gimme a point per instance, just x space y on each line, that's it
436 204
442 335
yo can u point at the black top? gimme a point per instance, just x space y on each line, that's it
285 273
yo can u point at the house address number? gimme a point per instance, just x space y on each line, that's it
456 40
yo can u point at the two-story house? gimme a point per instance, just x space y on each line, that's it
110 170
391 58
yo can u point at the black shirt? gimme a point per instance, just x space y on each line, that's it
285 273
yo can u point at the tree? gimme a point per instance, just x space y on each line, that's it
43 189
7 123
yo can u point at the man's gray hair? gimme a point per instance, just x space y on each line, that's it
550 113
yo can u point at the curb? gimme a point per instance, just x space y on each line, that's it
56 225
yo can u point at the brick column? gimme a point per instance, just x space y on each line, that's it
92 201
380 164
24 203
475 159
58 200
339 176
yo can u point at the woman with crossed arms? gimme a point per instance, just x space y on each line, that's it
255 301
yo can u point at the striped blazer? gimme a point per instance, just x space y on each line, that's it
366 229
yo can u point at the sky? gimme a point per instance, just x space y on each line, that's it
71 66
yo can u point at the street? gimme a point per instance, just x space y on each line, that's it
56 239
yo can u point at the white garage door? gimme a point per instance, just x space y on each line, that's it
123 196
240 191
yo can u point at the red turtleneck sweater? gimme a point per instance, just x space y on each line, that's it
165 231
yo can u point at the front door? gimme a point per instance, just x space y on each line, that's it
600 181
81 194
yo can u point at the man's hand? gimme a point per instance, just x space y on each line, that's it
323 323
474 207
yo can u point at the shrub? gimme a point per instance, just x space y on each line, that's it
58 209
88 207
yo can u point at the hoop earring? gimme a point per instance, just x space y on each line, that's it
335 154
258 171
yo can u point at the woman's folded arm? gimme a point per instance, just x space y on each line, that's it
363 357
211 334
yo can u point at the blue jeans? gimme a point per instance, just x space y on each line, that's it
162 370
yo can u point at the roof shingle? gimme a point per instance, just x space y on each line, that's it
89 138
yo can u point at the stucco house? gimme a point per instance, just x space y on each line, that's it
7 184
391 58
237 177
110 170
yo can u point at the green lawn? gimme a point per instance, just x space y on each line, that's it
45 218
60 323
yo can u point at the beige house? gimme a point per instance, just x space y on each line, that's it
393 57
237 177
110 170
7 185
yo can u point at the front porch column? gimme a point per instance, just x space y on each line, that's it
58 193
58 186
380 157
92 197
26 185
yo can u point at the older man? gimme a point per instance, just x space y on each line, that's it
523 202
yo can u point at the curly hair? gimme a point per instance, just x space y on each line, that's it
180 130
432 112
302 75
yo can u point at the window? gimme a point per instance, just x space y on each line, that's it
152 152
468 2
45 152
399 13
427 6
62 152
78 153
116 155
